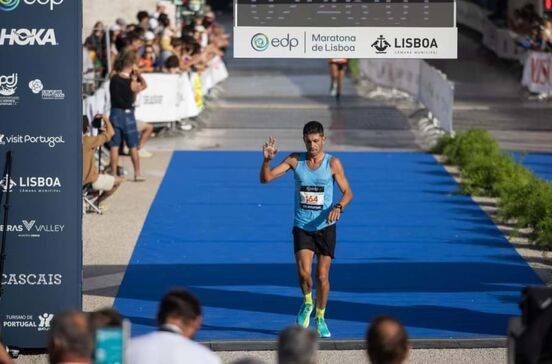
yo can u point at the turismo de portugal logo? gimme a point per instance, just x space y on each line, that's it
259 42
8 5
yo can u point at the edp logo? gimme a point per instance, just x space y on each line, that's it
9 5
260 42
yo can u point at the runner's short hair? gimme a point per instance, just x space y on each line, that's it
313 127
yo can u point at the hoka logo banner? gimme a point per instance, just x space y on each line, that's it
27 37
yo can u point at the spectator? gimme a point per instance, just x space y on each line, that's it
134 41
148 61
547 33
179 318
145 130
4 356
143 20
149 38
172 65
297 345
70 339
105 184
87 72
167 33
387 341
533 41
115 37
121 22
96 44
105 317
160 8
125 84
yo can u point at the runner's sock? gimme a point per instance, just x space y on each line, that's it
308 298
320 312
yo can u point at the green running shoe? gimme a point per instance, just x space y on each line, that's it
321 327
303 317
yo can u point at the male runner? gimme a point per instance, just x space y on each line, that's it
314 230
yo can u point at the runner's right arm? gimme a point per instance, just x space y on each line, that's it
269 152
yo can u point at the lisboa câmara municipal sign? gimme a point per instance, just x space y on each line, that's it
345 29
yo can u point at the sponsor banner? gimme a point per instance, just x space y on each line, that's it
32 279
41 125
28 37
8 88
536 73
294 42
50 141
34 322
31 184
32 229
13 5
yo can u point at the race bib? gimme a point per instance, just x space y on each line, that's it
312 197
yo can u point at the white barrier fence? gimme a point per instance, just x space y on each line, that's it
536 73
417 78
501 41
168 97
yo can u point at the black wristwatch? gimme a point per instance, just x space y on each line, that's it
339 206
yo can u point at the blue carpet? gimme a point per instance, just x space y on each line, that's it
538 163
408 246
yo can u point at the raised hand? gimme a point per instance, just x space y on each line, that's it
270 149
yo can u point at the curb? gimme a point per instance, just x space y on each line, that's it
355 344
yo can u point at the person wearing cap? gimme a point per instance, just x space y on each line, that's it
121 22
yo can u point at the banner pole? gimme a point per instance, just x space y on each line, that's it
7 186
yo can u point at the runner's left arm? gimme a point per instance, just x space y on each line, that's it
347 194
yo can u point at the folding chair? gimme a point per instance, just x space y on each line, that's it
89 202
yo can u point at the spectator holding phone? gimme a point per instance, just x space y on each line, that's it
125 84
105 184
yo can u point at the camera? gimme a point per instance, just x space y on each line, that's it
97 122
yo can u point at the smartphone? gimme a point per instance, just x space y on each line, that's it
111 344
97 122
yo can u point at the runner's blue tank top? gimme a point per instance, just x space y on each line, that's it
313 194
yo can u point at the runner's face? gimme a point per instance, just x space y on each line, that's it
314 143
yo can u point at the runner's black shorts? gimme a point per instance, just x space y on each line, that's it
321 242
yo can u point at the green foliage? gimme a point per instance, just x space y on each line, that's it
439 148
354 68
486 171
465 146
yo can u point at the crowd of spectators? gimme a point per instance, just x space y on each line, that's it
122 54
534 32
73 334
159 44
76 337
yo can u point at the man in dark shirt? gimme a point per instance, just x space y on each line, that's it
125 84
